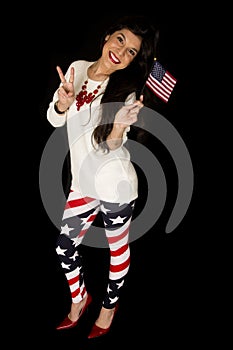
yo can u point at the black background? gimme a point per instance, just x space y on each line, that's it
165 286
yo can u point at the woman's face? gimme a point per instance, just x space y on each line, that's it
120 49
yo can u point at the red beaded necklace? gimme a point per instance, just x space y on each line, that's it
84 97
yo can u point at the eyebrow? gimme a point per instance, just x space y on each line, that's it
132 48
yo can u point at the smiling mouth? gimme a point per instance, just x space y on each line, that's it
113 58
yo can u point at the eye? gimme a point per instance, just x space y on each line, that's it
132 52
120 39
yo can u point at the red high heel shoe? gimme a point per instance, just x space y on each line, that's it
67 323
97 331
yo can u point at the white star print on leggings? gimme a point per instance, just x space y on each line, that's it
79 214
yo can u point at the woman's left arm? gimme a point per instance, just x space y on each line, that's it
125 117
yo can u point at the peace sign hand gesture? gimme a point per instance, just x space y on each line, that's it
65 92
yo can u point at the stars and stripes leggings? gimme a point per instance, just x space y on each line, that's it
79 214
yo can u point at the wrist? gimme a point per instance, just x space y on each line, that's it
59 110
117 131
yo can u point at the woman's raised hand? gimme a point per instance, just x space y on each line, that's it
65 92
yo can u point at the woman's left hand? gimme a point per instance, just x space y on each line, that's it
128 114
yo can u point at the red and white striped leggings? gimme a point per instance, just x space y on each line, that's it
79 214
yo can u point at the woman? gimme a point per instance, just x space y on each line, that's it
99 101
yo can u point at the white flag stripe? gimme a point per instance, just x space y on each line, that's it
168 84
116 260
74 287
169 79
72 274
155 90
159 87
118 275
118 244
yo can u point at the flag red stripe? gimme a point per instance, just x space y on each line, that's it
120 267
154 89
73 280
120 251
118 238
82 233
77 202
75 293
92 218
170 78
160 86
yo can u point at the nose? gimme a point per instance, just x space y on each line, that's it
121 51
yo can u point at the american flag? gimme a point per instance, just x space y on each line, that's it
161 82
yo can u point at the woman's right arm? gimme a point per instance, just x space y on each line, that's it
62 98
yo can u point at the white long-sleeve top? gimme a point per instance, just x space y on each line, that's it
109 176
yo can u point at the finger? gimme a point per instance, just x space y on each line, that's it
71 80
132 106
132 119
61 75
138 103
62 92
133 113
135 109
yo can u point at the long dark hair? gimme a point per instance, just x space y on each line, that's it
132 78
